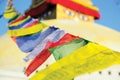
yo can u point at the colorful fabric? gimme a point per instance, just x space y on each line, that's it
21 25
29 42
43 56
1 15
64 50
19 22
34 22
54 36
21 17
27 31
31 23
10 15
89 58
10 12
14 18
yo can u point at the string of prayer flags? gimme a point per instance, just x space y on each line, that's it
10 10
45 53
74 55
89 58
54 36
26 31
29 42
65 49
14 18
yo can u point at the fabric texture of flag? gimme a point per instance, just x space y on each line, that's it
29 42
64 50
89 58
45 53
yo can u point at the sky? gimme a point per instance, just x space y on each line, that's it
110 13
109 10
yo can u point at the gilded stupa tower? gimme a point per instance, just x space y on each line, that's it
82 10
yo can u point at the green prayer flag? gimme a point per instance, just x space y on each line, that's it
67 48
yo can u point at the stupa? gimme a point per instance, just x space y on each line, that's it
67 9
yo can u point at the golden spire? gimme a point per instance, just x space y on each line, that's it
87 2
